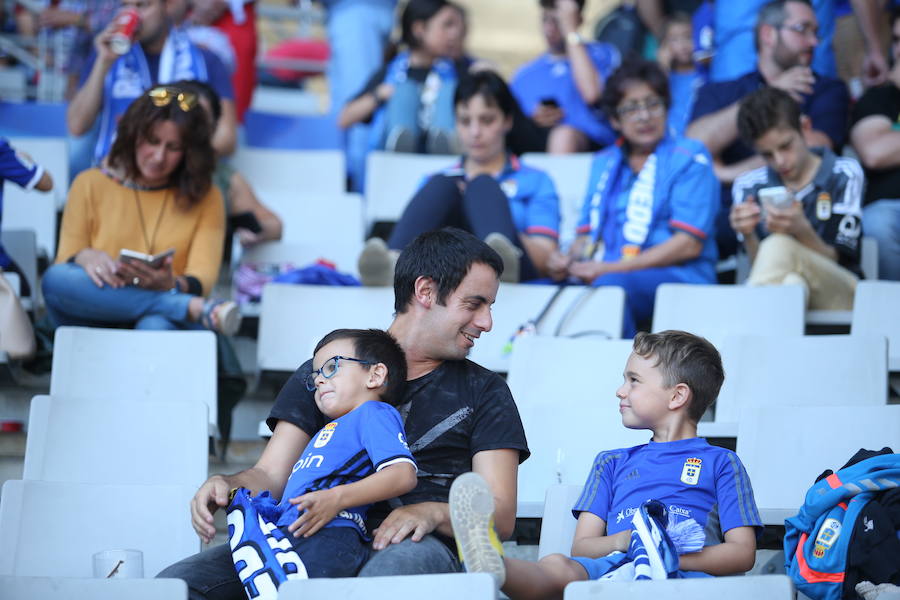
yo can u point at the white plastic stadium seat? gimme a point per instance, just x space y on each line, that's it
875 313
82 441
67 588
565 391
570 174
305 174
558 524
451 586
295 317
821 370
785 448
752 587
715 311
50 528
124 365
392 179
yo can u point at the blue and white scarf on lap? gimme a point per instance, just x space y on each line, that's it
443 72
639 211
263 556
130 76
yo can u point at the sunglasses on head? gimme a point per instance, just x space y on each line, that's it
163 96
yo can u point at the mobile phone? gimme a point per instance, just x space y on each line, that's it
245 220
550 101
153 261
778 196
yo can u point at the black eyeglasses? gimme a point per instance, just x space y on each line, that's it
329 369
633 110
163 96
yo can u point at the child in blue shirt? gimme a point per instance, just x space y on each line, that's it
670 379
359 458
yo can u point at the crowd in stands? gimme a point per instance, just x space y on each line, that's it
744 143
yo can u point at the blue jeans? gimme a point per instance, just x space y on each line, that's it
210 575
402 110
881 220
72 298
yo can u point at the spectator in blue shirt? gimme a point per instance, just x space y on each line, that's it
489 193
676 56
651 200
560 89
786 36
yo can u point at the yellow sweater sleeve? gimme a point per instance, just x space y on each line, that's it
205 254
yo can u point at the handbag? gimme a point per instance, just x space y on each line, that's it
16 334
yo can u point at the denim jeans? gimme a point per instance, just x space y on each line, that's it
72 298
402 110
210 575
881 220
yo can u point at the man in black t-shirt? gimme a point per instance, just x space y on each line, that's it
458 417
875 134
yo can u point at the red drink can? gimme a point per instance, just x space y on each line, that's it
126 23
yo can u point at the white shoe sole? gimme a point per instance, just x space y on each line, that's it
471 512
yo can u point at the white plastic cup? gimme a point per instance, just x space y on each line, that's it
115 564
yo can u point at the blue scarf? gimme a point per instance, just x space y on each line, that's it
443 72
639 211
130 77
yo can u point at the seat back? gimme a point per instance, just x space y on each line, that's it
785 448
570 174
558 523
124 365
99 441
565 392
447 586
50 528
294 318
392 179
752 587
307 175
821 370
875 313
715 311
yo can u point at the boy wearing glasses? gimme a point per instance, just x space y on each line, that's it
358 458
670 379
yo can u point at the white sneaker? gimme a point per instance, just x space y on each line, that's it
472 517
376 263
508 252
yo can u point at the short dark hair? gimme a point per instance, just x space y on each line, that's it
490 86
685 358
376 346
204 90
765 109
551 4
444 256
772 13
193 176
418 10
634 69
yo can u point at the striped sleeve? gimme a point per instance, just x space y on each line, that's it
737 506
596 496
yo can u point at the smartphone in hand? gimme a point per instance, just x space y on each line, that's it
154 261
550 101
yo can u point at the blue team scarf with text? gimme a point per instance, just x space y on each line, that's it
130 76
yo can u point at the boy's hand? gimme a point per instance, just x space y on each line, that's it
211 495
790 220
623 540
745 216
320 508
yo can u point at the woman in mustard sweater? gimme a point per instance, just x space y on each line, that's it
154 194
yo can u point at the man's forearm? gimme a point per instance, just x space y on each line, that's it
717 130
86 103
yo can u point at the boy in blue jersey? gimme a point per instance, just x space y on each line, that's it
670 379
360 457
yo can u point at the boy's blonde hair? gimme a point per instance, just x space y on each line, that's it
685 358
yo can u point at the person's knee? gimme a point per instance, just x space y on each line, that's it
778 245
565 139
411 558
155 323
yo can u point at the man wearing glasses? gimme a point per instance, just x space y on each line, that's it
458 417
786 37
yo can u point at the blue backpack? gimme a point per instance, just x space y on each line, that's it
829 544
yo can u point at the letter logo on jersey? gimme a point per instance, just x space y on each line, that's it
690 473
510 187
325 435
828 535
823 206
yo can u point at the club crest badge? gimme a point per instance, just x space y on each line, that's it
823 206
325 435
828 535
690 474
510 187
